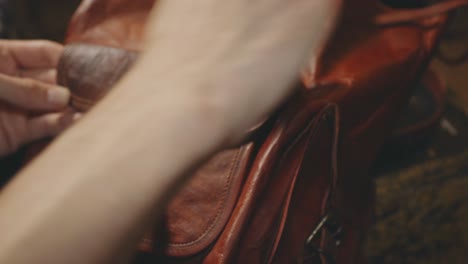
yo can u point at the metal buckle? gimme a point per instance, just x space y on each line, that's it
329 224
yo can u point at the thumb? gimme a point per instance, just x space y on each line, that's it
30 94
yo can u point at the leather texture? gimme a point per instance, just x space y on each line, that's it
93 62
299 191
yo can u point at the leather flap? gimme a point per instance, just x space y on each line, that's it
198 213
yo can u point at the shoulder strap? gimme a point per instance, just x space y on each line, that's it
399 16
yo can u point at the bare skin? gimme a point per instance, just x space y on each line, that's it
209 71
32 106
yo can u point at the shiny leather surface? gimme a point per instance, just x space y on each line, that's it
260 203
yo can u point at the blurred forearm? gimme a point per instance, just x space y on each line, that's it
102 179
107 177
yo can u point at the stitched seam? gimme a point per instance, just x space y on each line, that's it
234 167
80 102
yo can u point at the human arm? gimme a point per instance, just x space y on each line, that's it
106 178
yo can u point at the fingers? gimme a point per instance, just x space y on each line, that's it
44 75
16 129
33 53
32 95
49 125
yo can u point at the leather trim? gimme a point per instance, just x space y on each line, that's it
309 132
233 176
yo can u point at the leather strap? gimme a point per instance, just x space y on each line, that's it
410 15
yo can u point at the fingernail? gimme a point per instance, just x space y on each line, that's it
58 96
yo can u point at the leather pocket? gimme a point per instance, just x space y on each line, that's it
295 197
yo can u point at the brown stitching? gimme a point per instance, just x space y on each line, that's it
81 103
234 167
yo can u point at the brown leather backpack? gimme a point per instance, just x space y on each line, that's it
299 190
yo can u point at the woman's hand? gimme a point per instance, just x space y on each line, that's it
32 106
